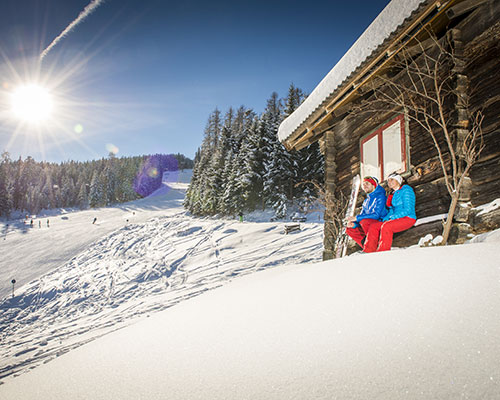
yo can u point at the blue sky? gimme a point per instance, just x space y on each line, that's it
141 77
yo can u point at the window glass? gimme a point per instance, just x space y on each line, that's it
391 142
383 151
370 158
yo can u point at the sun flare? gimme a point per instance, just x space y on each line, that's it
32 103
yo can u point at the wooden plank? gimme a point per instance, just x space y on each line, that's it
291 228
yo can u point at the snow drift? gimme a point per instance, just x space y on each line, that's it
412 324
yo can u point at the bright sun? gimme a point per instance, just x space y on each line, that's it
32 103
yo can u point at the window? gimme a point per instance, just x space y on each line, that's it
384 151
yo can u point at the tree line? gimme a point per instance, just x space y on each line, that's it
242 166
30 186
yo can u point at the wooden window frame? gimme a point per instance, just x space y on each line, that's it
379 133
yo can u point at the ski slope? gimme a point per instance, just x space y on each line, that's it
28 253
87 279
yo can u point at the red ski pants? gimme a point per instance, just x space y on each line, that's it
359 233
384 231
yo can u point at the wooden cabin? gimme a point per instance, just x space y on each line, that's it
360 132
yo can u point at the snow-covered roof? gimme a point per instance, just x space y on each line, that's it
391 17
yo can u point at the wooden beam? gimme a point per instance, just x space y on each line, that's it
462 8
312 135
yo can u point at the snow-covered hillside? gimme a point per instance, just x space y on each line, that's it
28 253
153 257
418 323
406 324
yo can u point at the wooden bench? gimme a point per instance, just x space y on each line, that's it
291 228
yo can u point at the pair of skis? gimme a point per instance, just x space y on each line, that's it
343 239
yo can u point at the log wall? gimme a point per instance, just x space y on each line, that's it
482 33
479 32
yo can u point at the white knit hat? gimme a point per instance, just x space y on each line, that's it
396 177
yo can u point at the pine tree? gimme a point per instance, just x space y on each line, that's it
67 191
278 164
110 173
308 163
83 199
96 194
48 200
5 202
198 197
231 197
251 166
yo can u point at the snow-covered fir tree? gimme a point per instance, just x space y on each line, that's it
5 202
83 198
96 194
278 163
251 161
245 166
308 163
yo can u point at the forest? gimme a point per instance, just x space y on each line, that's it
30 186
241 165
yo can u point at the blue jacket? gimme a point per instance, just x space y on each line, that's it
374 205
403 204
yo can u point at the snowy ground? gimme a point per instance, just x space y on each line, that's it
87 280
418 323
28 253
409 324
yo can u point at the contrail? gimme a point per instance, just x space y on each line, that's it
84 14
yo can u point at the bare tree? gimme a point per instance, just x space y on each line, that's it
429 79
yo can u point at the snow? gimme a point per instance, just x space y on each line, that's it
432 218
180 307
488 237
109 274
486 208
418 323
30 252
380 29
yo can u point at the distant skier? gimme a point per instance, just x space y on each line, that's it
241 216
39 224
48 223
31 223
95 219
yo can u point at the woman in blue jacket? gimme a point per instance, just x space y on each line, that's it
400 215
358 227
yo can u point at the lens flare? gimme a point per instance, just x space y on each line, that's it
153 172
154 169
78 128
111 148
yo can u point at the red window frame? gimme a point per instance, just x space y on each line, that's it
378 132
